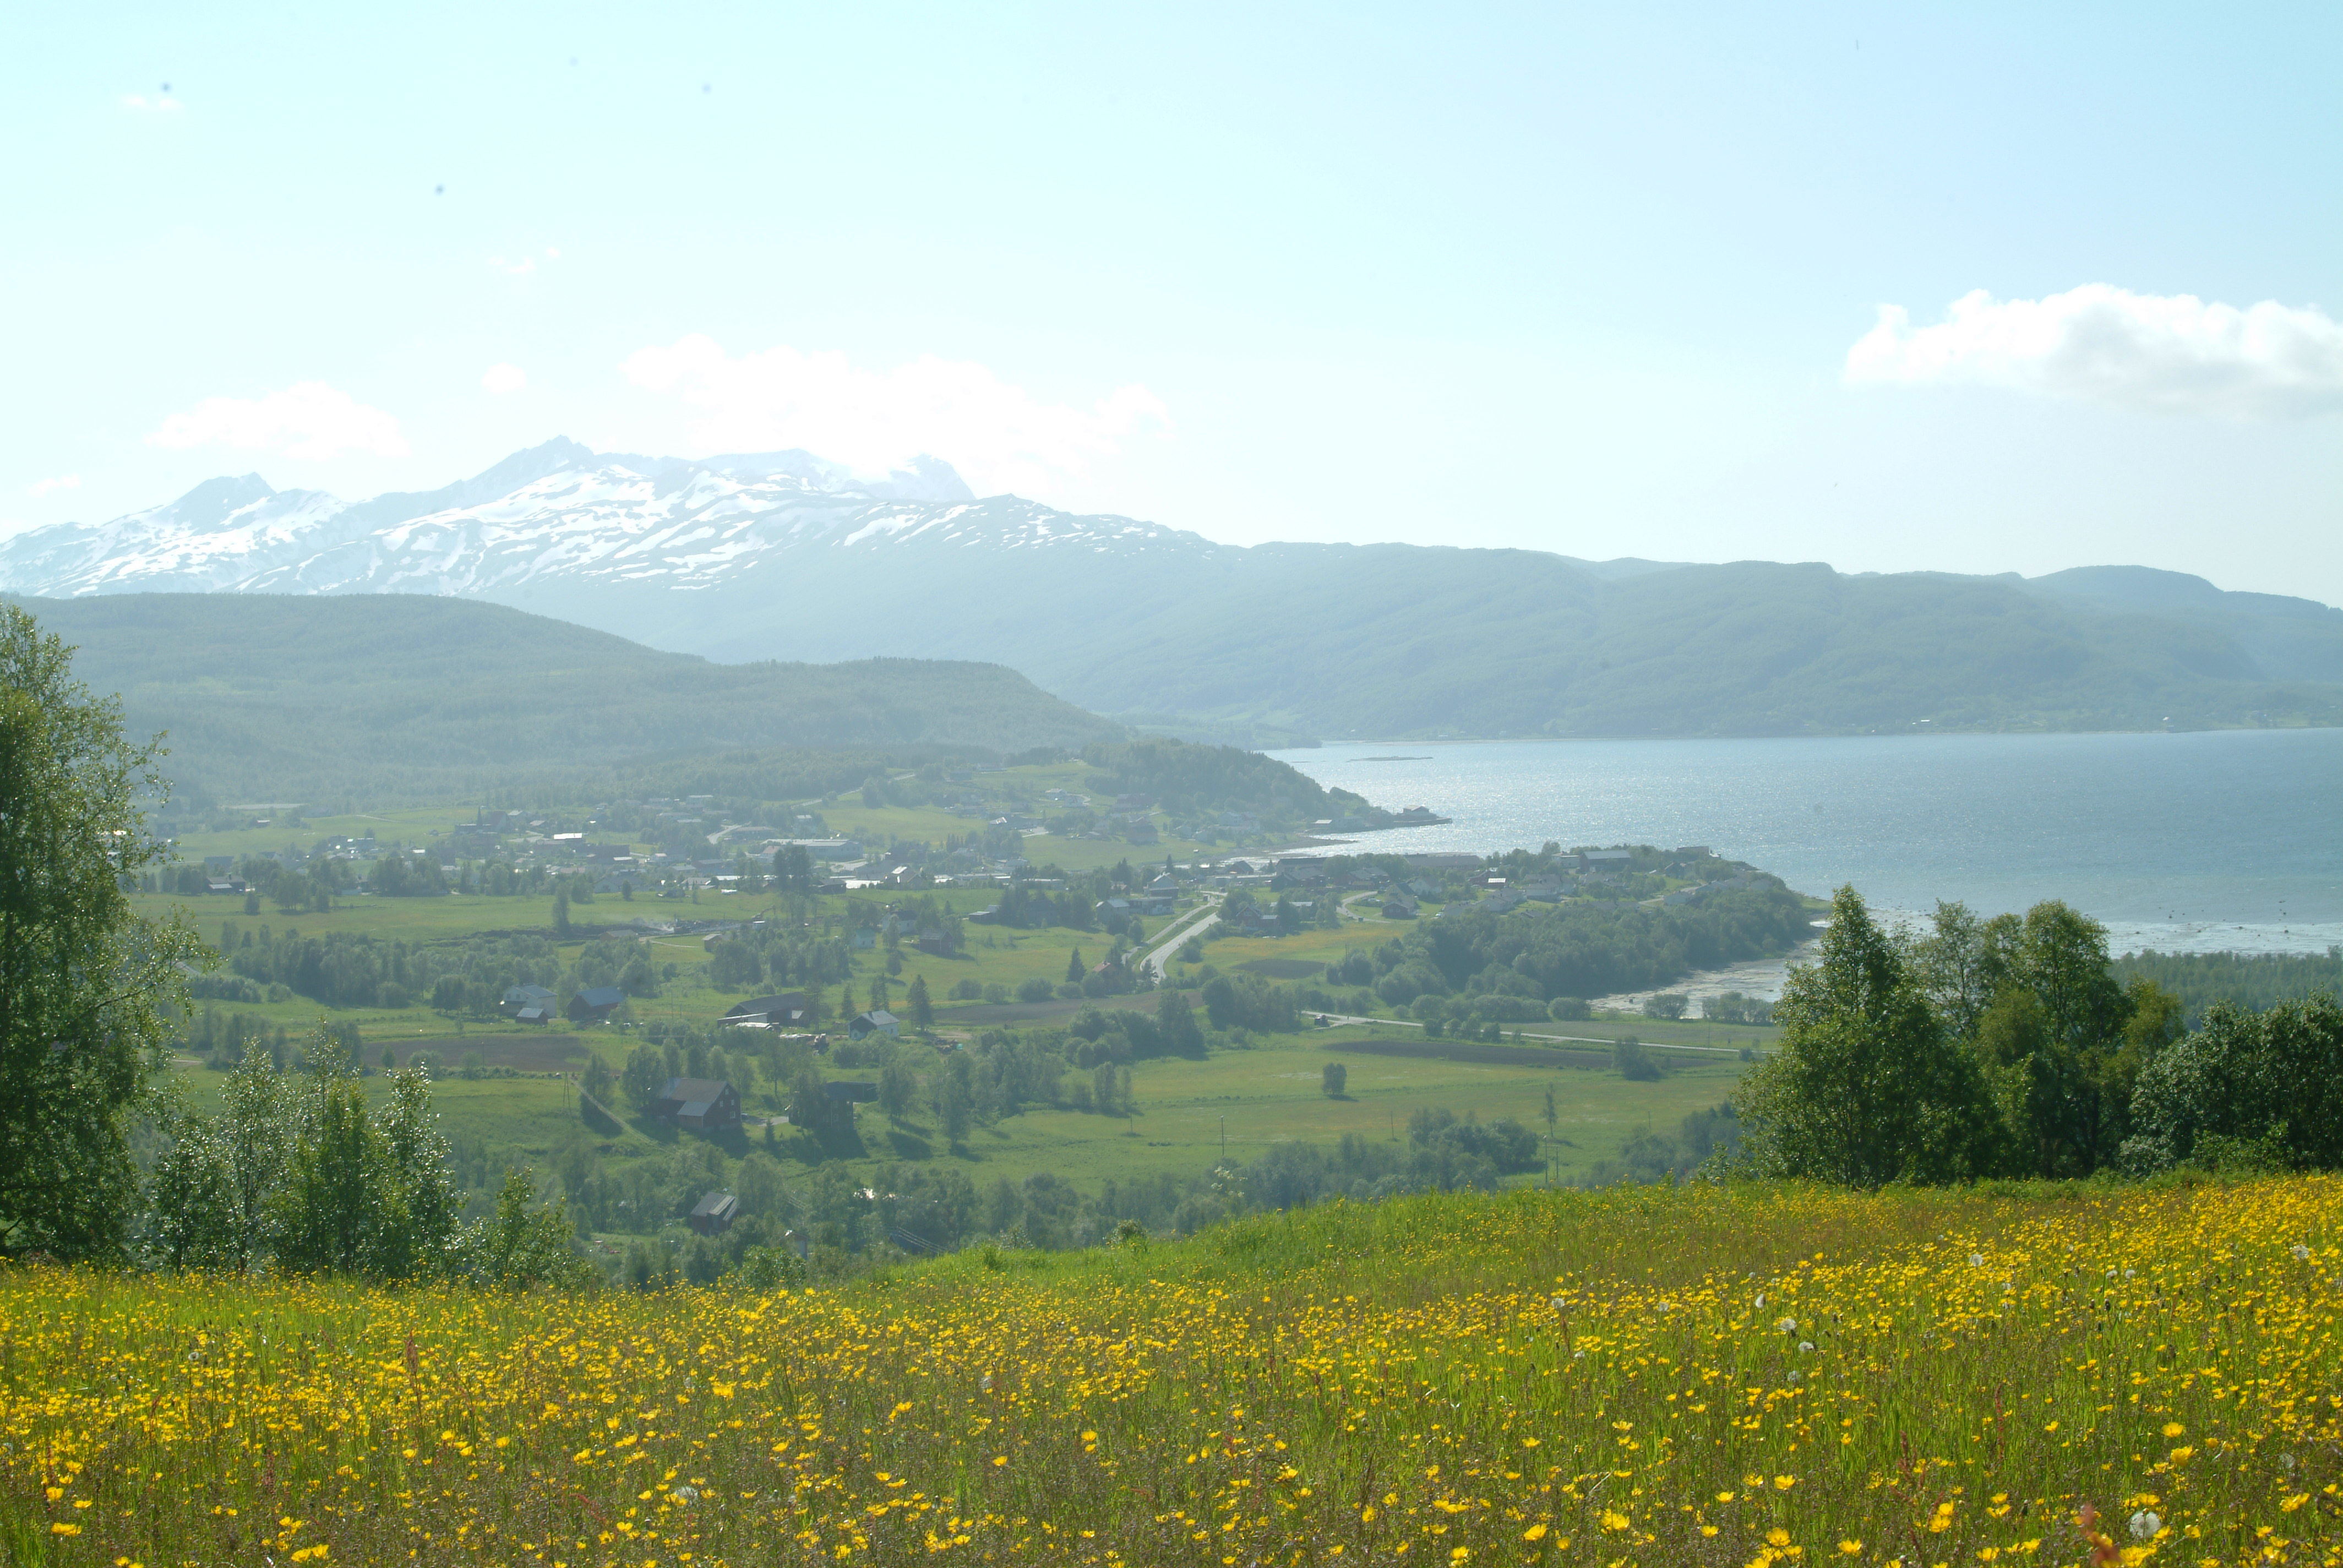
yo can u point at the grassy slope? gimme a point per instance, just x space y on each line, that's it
1693 1375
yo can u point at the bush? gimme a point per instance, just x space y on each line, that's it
967 990
1036 990
2246 1089
1668 1004
1634 1063
996 994
1568 1009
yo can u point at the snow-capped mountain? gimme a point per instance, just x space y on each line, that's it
782 555
552 519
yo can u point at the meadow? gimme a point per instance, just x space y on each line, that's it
1729 1375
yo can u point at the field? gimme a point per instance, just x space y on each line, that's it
1657 1375
1245 1097
1271 1093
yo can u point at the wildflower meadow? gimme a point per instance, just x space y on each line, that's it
1743 1375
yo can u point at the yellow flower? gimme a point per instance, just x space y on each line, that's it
1850 1548
1534 1532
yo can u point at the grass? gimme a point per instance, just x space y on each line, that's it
1242 1101
1247 1100
1695 1375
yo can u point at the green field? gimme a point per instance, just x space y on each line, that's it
1251 1093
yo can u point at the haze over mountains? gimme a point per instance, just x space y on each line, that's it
784 556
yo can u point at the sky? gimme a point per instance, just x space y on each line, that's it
1978 288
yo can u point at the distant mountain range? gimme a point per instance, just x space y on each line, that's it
783 556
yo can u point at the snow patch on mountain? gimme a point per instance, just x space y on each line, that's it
556 513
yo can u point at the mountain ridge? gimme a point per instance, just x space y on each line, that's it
769 556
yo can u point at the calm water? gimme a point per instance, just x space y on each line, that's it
2231 840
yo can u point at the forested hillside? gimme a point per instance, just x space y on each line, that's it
269 696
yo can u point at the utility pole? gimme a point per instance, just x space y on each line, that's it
1224 1137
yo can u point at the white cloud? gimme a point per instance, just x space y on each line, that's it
62 482
2161 353
503 379
997 435
308 419
520 269
160 104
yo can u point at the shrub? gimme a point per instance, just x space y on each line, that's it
1635 1062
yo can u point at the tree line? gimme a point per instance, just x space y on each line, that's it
2008 1047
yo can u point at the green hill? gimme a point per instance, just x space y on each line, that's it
403 696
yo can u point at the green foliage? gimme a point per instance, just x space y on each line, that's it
1540 953
525 1243
2060 1043
1866 1087
2249 981
2274 1077
1247 1000
84 984
1332 1079
1188 779
1635 1061
645 1076
300 1170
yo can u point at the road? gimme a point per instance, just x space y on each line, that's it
1168 941
1333 1018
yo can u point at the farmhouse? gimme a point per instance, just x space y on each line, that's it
713 1215
596 1005
879 1020
785 1010
702 1105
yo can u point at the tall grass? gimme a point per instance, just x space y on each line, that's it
1691 1375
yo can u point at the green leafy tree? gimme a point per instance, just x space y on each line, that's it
1635 1061
2035 1000
365 1193
525 1243
1331 1078
2274 1077
924 1011
1866 1087
955 1098
598 1080
1176 1020
644 1079
84 983
897 1089
337 1214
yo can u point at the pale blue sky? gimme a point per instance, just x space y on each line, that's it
1580 279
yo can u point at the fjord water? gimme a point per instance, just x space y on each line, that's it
2224 839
